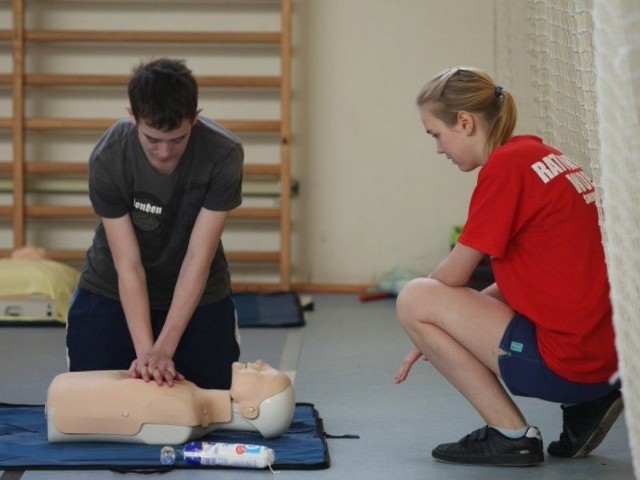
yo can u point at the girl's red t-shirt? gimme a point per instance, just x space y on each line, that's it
533 211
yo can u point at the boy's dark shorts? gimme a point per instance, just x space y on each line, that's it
98 338
526 374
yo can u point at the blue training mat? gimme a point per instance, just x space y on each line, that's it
24 445
281 309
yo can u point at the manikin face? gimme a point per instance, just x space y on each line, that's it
164 148
255 369
459 143
253 383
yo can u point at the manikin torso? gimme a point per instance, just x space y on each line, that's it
111 406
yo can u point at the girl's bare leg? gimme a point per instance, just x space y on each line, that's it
459 331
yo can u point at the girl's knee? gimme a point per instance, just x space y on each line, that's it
413 300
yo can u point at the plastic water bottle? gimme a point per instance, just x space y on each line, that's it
221 454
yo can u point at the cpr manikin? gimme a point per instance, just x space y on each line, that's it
110 406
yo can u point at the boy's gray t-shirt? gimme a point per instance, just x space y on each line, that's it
163 208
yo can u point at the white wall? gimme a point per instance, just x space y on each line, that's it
374 194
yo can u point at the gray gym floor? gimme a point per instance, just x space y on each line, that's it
343 361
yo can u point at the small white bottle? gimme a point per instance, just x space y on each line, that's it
221 454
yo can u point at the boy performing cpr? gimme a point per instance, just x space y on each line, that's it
154 296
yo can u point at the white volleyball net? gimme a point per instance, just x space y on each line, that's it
617 41
578 61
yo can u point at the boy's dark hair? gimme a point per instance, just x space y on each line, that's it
163 93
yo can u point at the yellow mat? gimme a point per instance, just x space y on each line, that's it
24 278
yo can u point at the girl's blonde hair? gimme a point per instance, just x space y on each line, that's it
471 90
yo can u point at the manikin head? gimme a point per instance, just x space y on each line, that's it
252 383
264 397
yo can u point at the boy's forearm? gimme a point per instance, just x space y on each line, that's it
135 303
187 294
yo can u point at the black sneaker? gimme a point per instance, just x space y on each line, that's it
487 446
585 425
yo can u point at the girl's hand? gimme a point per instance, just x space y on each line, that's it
407 363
